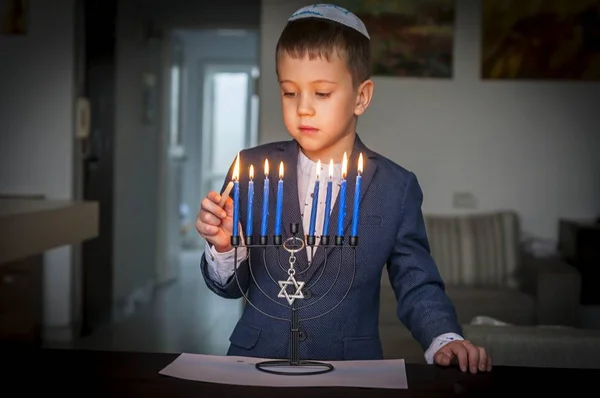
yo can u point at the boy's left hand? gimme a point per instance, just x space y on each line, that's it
468 356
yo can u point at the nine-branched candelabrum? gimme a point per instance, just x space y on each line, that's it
291 290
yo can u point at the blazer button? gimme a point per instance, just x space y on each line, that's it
301 335
307 293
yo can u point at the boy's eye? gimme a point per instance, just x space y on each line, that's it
323 95
288 94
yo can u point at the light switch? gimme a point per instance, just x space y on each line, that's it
464 200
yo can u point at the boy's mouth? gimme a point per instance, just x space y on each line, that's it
307 129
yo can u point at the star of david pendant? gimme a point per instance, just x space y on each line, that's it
291 281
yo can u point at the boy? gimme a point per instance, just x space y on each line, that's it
323 58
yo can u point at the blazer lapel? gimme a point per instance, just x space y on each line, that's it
369 169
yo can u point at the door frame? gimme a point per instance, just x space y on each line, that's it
166 264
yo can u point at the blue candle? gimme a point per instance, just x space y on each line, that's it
328 201
236 207
250 202
236 196
357 197
265 208
315 202
279 208
342 198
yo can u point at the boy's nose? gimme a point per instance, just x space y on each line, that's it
305 107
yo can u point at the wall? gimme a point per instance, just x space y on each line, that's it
37 154
528 146
37 74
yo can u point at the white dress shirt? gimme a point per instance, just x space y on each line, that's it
220 265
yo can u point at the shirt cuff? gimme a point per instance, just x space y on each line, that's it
220 265
438 343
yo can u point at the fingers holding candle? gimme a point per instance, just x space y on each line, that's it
213 222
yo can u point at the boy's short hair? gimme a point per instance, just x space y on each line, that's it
319 38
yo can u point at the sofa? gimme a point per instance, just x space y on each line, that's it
539 346
487 272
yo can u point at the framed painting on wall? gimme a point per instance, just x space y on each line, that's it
411 38
541 39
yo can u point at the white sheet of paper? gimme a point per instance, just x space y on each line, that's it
242 371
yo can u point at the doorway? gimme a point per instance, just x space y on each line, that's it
212 113
229 116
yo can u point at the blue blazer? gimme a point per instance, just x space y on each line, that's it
340 311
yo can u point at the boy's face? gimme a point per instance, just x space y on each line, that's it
320 104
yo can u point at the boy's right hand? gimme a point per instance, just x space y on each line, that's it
215 223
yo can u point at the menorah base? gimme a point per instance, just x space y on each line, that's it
288 368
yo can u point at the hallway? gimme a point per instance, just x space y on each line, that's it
183 317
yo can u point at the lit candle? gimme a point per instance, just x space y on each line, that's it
265 208
328 200
315 202
250 202
279 208
357 197
342 197
236 196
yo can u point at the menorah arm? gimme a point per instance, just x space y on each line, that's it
230 290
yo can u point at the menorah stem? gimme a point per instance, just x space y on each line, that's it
294 336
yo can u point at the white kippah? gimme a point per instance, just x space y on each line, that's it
333 13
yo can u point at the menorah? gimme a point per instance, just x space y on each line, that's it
293 364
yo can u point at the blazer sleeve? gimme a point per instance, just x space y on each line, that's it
423 306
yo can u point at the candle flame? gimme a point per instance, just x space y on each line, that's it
281 170
318 168
331 169
236 168
251 173
345 165
266 167
360 164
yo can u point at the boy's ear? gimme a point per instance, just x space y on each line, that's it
363 97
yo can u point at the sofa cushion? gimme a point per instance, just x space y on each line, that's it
475 249
507 305
539 346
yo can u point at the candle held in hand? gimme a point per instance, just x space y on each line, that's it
355 213
265 207
279 205
225 194
315 202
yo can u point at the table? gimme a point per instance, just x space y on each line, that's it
30 226
135 374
